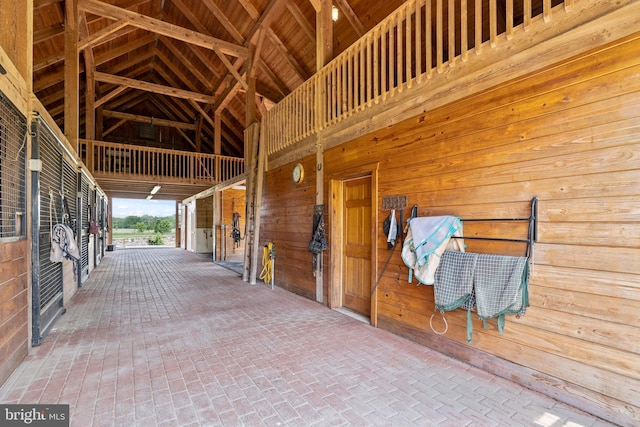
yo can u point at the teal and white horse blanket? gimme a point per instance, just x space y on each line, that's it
427 238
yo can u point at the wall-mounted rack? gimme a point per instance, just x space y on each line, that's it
532 233
394 202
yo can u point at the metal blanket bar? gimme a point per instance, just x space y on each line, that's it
532 234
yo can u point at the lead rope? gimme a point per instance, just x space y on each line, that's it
51 196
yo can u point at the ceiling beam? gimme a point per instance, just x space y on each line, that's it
148 120
163 28
195 21
351 17
155 88
203 113
279 45
42 3
102 36
55 78
108 97
114 127
301 20
250 9
169 62
178 52
48 33
224 20
48 61
170 109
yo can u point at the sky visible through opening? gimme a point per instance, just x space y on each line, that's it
123 208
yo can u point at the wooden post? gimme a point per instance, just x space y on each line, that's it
217 144
251 135
177 225
110 221
90 90
324 31
250 96
262 155
71 73
324 54
90 155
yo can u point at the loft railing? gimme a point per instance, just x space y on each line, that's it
414 44
131 161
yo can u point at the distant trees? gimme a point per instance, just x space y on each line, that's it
163 226
145 222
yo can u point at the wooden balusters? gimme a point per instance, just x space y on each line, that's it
169 165
493 22
404 50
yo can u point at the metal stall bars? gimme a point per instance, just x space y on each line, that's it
47 286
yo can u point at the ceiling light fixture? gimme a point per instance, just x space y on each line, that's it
334 13
155 189
150 196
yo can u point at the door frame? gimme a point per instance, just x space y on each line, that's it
336 227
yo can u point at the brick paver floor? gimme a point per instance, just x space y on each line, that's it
162 337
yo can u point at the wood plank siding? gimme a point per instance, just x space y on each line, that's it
287 220
14 305
569 134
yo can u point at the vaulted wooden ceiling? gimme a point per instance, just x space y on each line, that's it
162 68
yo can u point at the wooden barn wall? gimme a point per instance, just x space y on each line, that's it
568 134
233 201
14 305
286 219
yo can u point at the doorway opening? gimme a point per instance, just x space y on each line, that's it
353 228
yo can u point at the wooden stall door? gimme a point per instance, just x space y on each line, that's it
356 278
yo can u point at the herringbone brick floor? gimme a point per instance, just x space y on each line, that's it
162 337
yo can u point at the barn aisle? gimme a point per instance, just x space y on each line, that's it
164 337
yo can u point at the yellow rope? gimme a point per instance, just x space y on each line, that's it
267 261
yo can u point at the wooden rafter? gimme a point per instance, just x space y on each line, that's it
177 52
301 20
350 15
169 63
148 120
114 127
42 3
102 36
222 18
47 33
195 21
111 95
202 113
160 27
288 56
153 87
250 9
55 78
169 107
